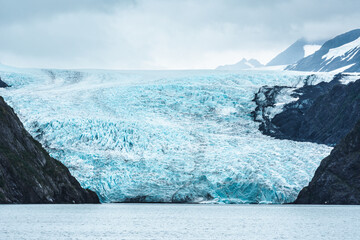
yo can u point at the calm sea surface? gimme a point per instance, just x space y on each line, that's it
172 221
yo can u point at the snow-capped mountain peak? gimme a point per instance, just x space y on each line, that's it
298 50
352 48
338 54
243 64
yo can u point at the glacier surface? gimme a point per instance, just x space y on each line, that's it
163 136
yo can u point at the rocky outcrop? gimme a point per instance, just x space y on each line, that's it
3 84
265 100
324 113
27 173
337 180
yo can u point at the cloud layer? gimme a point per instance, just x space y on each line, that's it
162 34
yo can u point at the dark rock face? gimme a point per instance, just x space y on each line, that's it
27 173
318 61
324 113
265 98
3 84
337 180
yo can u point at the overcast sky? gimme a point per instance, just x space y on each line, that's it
162 34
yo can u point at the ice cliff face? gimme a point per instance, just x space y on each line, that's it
168 136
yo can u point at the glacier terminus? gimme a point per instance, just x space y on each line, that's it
163 136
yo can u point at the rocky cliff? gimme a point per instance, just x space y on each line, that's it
337 180
27 173
3 84
323 113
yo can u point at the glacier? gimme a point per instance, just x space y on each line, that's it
163 136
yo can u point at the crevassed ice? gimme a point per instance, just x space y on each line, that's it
162 136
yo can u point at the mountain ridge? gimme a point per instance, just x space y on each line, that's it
341 53
293 53
241 65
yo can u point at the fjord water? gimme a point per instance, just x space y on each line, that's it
179 221
162 136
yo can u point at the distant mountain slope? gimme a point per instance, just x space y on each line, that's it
340 53
298 50
243 64
27 173
337 180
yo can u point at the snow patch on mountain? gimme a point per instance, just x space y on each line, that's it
350 77
341 51
310 49
341 69
298 50
338 54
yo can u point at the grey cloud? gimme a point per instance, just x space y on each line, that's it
162 33
28 10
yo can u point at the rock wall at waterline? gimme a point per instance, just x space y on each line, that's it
27 173
337 180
